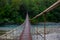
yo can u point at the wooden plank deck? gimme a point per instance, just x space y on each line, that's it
26 35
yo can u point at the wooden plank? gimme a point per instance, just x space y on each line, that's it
25 35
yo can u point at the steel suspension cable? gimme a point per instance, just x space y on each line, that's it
56 4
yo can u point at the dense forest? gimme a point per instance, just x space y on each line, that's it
14 11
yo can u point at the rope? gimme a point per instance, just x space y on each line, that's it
11 30
56 4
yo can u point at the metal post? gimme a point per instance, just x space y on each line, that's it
44 26
37 33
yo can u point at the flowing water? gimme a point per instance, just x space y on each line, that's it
40 25
34 29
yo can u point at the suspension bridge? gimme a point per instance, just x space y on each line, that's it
25 32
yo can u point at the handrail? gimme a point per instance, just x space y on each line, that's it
11 31
56 4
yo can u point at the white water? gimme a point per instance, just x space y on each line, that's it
52 36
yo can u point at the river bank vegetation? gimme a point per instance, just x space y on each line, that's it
14 11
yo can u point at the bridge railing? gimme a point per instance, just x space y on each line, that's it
12 33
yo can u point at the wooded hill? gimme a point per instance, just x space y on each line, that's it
14 11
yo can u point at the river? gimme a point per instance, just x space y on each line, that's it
48 24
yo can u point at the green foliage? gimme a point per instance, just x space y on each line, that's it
14 11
